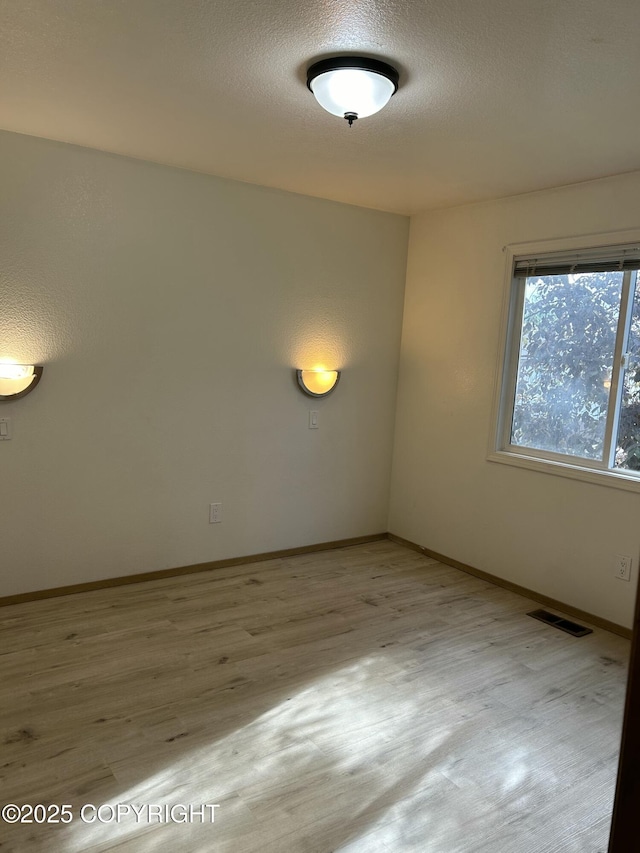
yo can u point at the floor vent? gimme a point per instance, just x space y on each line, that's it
559 622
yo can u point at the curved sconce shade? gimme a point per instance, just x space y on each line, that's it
18 380
317 383
352 87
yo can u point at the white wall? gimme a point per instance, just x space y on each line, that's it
169 309
551 534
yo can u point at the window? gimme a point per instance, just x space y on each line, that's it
570 394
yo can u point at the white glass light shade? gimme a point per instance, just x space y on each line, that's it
17 380
15 371
352 86
317 383
352 90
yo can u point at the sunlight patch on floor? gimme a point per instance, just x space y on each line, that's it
331 735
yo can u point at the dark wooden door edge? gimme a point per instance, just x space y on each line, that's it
626 804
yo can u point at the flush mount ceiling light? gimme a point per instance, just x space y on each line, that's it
18 380
317 383
352 87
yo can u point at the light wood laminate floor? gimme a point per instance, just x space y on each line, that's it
364 699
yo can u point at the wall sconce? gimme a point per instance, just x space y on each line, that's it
18 380
318 382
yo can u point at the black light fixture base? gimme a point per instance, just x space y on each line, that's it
351 117
364 63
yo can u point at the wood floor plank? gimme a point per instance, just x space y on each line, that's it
362 700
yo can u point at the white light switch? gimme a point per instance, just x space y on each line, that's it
313 420
5 429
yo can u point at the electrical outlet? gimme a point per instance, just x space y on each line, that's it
622 566
215 513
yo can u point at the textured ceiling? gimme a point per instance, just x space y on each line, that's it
496 96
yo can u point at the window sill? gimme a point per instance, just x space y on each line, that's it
615 479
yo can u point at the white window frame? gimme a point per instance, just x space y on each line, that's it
500 449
